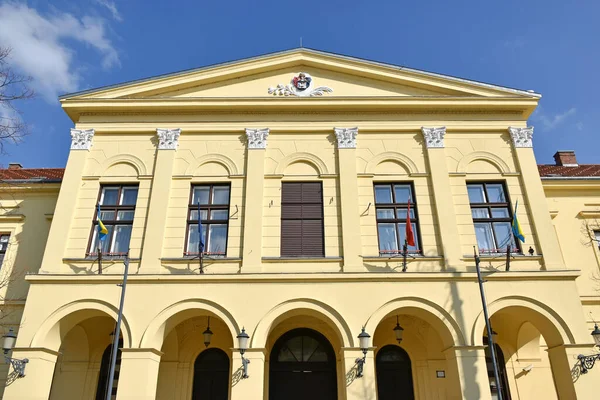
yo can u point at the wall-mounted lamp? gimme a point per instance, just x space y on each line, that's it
587 362
243 346
363 341
7 345
398 331
207 334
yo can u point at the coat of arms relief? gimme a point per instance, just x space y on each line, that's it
301 86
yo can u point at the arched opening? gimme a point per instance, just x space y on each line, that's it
394 374
302 366
102 387
502 375
211 375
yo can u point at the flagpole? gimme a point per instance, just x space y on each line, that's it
115 348
200 249
487 324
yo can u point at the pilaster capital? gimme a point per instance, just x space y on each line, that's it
521 137
168 139
81 139
346 137
434 137
257 138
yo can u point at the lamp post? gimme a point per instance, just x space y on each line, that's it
243 346
398 331
587 362
363 342
7 345
207 334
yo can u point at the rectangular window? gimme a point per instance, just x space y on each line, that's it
391 207
117 207
4 237
302 219
597 238
492 217
214 210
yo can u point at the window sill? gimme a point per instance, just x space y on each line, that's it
302 259
399 257
91 260
188 259
502 256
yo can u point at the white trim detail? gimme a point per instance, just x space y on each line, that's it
257 138
346 137
81 139
434 137
521 137
168 139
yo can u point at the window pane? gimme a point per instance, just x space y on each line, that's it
480 213
129 196
121 239
504 235
500 213
4 243
476 193
402 236
597 237
385 213
219 214
387 238
193 237
201 194
105 244
217 238
402 193
109 196
402 213
383 194
125 215
485 240
194 214
221 195
496 193
107 215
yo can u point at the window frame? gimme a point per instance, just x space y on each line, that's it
5 251
207 222
93 252
396 206
489 206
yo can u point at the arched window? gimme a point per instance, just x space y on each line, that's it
211 375
102 387
394 374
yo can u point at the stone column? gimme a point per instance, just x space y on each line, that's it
81 142
39 371
159 199
253 387
547 242
468 370
351 239
444 208
253 200
138 377
364 387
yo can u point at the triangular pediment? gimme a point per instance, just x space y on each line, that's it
345 76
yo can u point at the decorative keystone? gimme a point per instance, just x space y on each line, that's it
346 137
521 137
81 139
168 139
257 138
434 137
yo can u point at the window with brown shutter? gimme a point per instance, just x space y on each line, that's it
302 219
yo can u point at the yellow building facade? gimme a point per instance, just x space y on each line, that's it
303 167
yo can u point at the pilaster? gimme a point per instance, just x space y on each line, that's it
355 386
351 239
81 142
253 387
159 199
37 382
440 184
537 205
467 367
138 376
253 201
569 382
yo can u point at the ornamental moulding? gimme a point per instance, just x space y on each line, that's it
168 139
300 85
257 138
346 137
521 137
81 139
434 137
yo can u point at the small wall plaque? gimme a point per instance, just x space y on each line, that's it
440 374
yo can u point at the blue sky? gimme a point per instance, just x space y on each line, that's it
549 46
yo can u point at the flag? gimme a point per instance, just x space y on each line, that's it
410 235
200 233
102 231
516 227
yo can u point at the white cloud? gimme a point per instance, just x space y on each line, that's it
550 122
112 7
40 46
579 126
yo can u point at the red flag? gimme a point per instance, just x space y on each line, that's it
410 235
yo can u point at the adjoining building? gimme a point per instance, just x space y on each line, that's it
304 169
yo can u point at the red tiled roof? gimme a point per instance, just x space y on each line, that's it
32 174
582 170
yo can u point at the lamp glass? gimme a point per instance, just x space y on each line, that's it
398 332
596 335
364 340
207 336
243 340
9 341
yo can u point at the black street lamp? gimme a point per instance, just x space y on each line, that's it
7 345
243 346
587 362
398 331
363 342
207 334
